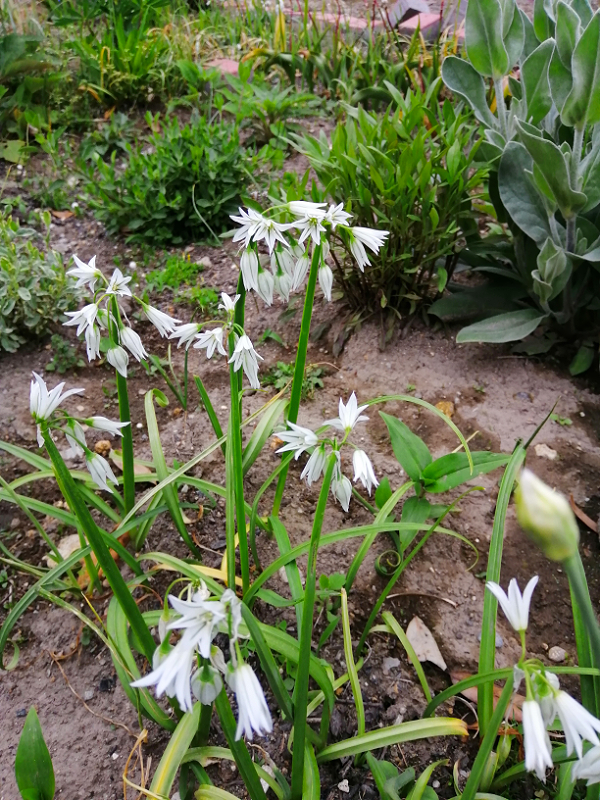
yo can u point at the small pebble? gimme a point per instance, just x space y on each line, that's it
344 786
139 426
436 784
88 695
557 654
22 712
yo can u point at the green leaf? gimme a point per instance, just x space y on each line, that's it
530 39
387 779
582 106
383 492
452 470
463 80
514 39
180 740
502 328
542 24
590 168
518 194
33 766
582 360
418 790
534 77
410 450
483 35
561 81
261 433
584 11
568 31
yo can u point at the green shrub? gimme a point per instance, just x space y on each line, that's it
181 187
177 270
406 172
34 289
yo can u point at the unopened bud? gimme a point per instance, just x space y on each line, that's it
547 517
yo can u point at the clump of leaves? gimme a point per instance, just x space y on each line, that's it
110 136
280 375
35 291
204 298
178 269
180 187
65 356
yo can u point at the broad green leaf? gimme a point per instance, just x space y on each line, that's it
582 106
590 169
561 81
180 741
483 36
383 492
583 360
530 41
514 39
464 81
410 450
542 24
534 78
388 780
384 737
415 509
519 195
452 470
568 31
503 328
584 11
33 766
552 164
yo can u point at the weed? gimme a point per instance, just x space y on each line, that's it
281 375
177 270
65 356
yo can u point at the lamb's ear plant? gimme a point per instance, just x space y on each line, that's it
544 148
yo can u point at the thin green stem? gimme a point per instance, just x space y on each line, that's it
298 380
204 725
301 687
124 416
236 473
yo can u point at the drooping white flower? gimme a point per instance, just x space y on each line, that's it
186 334
349 415
303 208
282 283
515 605
282 259
43 403
315 465
577 723
228 303
118 358
84 318
360 254
249 268
265 286
172 672
249 222
588 768
206 684
256 227
298 439
300 270
101 472
92 342
133 343
118 284
341 489
163 323
337 216
538 752
233 608
212 340
75 436
245 357
85 273
359 237
363 470
326 280
545 689
311 225
253 712
108 425
199 618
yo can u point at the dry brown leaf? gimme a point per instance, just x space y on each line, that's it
423 643
138 469
66 547
514 710
62 215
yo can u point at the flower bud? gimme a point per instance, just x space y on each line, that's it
547 517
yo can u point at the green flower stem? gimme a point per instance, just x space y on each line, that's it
204 726
233 457
239 317
301 687
124 416
576 181
113 575
298 380
587 631
238 748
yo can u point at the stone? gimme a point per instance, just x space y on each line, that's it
226 66
389 664
88 695
557 654
543 451
405 9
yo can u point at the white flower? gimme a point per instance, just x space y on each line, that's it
100 470
246 357
359 237
588 768
253 711
227 303
303 208
107 425
314 466
85 273
255 227
311 226
282 283
92 342
326 280
363 470
206 685
43 403
538 753
233 608
341 489
199 618
298 439
75 436
300 271
249 268
349 415
185 333
163 323
83 318
577 723
545 689
118 358
212 340
118 284
133 343
283 260
337 216
172 672
514 605
265 286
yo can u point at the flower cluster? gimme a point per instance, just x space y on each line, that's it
105 315
299 440
545 700
44 407
285 268
195 666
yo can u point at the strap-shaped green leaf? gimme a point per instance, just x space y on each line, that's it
582 106
463 80
484 40
178 746
33 766
535 80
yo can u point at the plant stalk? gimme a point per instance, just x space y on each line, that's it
233 456
588 640
501 106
